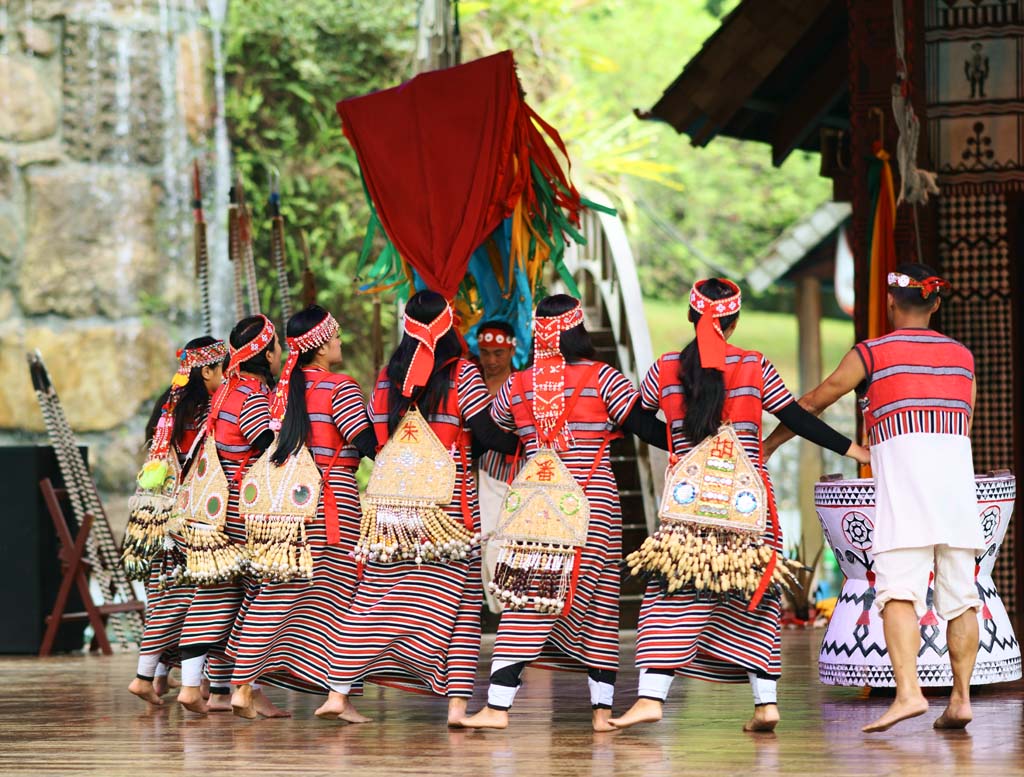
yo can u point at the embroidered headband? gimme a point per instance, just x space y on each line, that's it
232 374
307 341
427 335
549 374
710 338
928 286
495 338
188 360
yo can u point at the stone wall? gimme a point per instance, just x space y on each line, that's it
103 105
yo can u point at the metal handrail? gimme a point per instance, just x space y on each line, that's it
605 271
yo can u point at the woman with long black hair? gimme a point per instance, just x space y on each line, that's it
574 405
239 420
178 415
286 637
694 633
412 625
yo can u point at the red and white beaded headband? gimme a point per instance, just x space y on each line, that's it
928 286
495 338
421 366
710 337
548 329
718 308
203 356
315 337
307 341
245 352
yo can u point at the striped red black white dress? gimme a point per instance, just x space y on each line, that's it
587 637
418 627
701 635
288 635
215 610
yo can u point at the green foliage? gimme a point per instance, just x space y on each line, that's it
287 65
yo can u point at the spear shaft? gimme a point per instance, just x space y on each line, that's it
235 254
201 252
277 250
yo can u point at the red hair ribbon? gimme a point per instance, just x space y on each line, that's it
549 374
308 341
710 338
428 335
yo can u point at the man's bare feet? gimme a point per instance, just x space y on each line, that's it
219 702
488 717
163 683
338 707
600 720
457 710
146 691
766 718
242 702
644 711
901 709
267 708
957 715
191 698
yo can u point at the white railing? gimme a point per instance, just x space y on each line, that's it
605 272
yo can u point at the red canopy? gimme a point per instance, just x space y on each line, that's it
445 157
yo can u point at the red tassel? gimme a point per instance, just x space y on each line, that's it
359 570
573 581
773 519
930 619
331 516
865 618
766 578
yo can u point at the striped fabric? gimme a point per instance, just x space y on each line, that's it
497 465
690 632
166 608
418 627
588 636
918 381
288 635
214 611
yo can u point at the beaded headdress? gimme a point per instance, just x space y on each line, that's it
492 337
428 335
549 373
308 341
928 286
710 337
233 373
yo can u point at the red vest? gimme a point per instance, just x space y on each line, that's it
446 420
589 417
744 390
231 443
918 381
325 438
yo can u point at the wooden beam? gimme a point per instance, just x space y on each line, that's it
808 312
820 93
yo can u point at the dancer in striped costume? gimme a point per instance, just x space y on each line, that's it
575 405
417 626
285 637
178 415
917 392
496 343
239 420
699 634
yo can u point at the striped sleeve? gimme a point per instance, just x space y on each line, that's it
501 410
774 394
349 410
255 416
473 396
650 387
618 393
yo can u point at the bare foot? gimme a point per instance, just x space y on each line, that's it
957 715
191 698
146 691
242 702
488 717
600 720
901 709
219 702
334 707
457 710
267 708
644 711
766 718
204 686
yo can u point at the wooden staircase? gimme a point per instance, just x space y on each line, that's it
605 272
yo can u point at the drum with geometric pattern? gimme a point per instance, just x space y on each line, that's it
853 650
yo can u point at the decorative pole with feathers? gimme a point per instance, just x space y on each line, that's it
201 253
235 253
278 254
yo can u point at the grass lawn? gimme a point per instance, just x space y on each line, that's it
773 334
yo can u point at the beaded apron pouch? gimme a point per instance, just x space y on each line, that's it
713 515
210 555
276 503
149 512
403 517
543 524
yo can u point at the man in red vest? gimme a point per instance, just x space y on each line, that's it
917 392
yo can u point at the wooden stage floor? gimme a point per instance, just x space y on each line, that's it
73 716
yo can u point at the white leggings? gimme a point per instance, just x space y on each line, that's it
655 685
